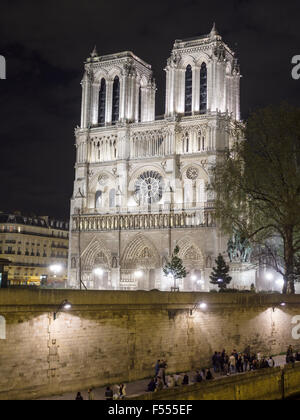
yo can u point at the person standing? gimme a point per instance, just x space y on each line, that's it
91 394
122 391
151 386
79 397
232 361
157 366
185 380
109 393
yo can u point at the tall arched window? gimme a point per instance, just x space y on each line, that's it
203 89
116 101
102 101
112 198
140 104
188 89
98 200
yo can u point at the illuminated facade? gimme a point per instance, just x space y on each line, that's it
37 248
140 180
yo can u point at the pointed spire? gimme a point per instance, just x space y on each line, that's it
214 31
94 52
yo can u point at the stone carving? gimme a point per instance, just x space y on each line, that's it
239 249
103 178
192 173
219 52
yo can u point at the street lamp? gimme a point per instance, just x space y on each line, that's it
65 305
98 271
56 269
201 305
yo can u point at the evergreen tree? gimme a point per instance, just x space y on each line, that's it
219 274
175 267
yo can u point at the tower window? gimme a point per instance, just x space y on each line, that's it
188 89
102 101
140 104
203 89
116 100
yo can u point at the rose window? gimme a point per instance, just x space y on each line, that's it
148 188
192 173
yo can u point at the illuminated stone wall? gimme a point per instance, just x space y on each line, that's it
109 337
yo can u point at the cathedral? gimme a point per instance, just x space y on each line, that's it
140 180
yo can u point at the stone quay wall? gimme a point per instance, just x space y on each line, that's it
266 384
109 337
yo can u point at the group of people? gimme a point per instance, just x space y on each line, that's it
226 364
222 363
161 381
118 392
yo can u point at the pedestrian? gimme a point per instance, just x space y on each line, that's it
159 384
177 379
198 377
116 392
239 364
157 365
122 391
214 360
109 393
91 394
79 397
209 375
290 355
151 385
171 381
246 363
185 379
232 361
162 371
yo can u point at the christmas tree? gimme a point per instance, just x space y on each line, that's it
219 274
175 268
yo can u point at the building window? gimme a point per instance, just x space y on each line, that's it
116 100
102 101
98 200
112 198
140 104
188 89
185 143
203 89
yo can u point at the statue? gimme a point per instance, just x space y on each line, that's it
239 248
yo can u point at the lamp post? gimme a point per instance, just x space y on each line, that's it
65 305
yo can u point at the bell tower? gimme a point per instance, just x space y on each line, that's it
117 88
202 76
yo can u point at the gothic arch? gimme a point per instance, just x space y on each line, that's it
190 253
115 71
111 179
140 253
96 254
187 60
202 58
100 74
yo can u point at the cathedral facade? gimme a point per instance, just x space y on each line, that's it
140 180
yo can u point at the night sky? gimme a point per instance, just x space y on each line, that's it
46 42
